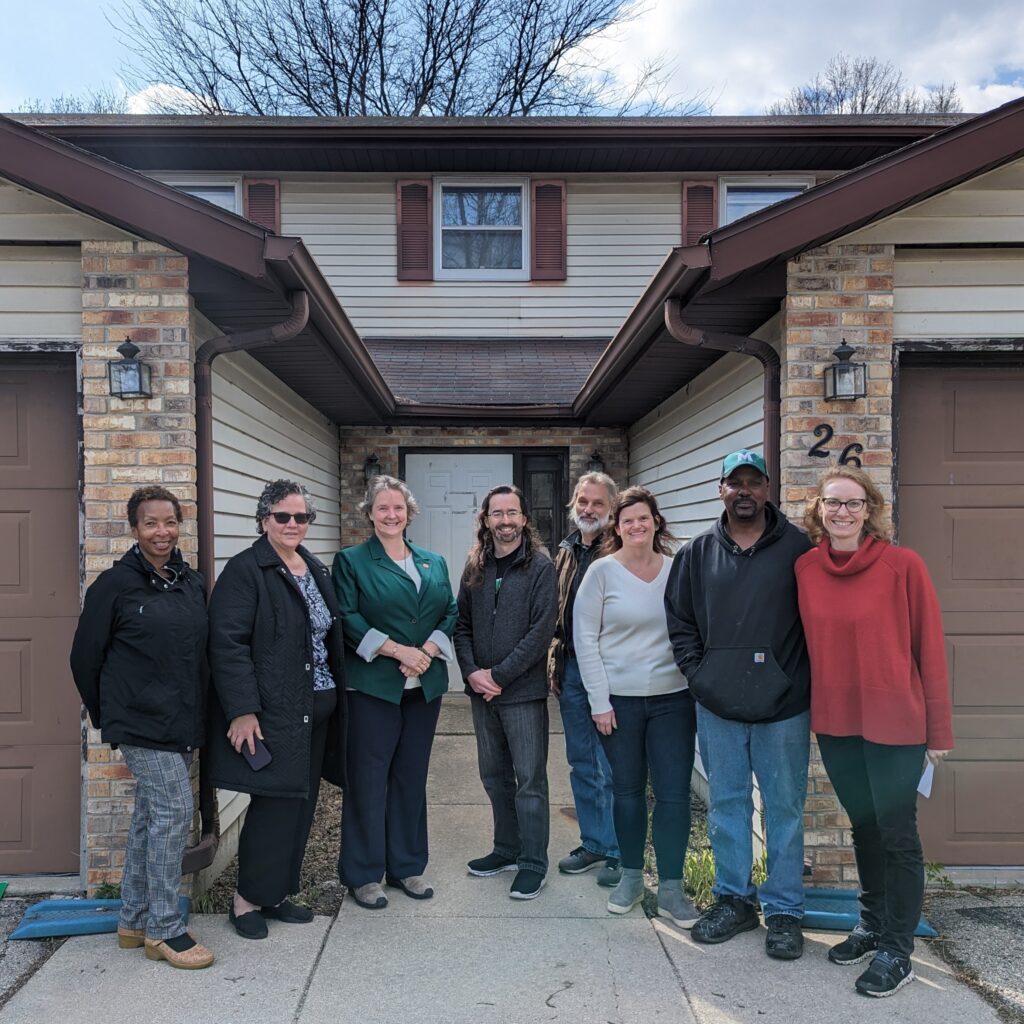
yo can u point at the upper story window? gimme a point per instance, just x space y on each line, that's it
739 197
225 194
481 230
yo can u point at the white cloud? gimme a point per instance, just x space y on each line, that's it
750 54
155 99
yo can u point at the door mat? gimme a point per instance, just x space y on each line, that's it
3 889
838 910
50 918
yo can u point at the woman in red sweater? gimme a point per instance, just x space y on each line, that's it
879 705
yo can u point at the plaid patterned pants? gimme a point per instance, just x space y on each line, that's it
156 841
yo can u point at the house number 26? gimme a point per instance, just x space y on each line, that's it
847 457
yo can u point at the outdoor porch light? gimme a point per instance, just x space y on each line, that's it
845 380
129 377
371 467
595 464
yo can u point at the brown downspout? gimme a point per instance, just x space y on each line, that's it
201 855
764 354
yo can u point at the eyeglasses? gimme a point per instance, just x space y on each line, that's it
301 518
834 504
510 514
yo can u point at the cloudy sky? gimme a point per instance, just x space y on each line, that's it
743 54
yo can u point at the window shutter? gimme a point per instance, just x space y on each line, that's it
700 209
415 231
547 235
262 202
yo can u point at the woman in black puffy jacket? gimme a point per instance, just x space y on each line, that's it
137 660
276 656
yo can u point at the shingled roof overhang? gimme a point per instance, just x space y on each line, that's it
735 280
240 275
534 145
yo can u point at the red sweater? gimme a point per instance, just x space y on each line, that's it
878 657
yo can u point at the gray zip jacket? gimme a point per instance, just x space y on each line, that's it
509 635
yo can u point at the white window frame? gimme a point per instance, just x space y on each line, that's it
804 181
186 181
440 273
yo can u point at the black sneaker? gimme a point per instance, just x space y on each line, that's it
785 940
527 885
492 864
728 917
611 874
580 860
886 975
858 946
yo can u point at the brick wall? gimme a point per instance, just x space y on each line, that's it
359 442
835 292
137 290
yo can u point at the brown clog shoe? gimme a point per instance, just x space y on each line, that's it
193 959
130 938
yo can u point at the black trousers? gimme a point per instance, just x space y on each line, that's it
384 812
273 840
877 786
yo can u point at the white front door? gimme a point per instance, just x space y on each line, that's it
449 487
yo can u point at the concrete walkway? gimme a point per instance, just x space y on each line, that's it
473 956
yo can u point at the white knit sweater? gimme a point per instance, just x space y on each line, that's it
621 637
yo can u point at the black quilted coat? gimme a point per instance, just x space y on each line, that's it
261 662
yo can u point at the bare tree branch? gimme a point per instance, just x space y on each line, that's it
387 57
865 85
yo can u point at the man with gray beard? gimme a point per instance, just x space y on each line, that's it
590 511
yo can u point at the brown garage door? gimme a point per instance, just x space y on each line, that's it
961 505
40 713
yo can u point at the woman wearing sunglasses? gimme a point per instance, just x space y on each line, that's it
278 724
879 705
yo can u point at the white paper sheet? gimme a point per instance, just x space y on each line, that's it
924 787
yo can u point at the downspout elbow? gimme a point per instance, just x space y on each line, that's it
720 341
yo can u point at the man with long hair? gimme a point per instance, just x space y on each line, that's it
590 511
507 603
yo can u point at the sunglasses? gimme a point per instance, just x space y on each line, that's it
301 518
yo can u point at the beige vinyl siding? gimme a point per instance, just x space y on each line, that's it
263 431
26 216
959 293
40 291
677 449
618 234
987 209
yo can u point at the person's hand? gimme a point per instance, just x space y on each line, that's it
483 683
605 722
935 756
242 730
412 661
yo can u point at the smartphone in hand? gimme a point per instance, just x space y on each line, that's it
262 756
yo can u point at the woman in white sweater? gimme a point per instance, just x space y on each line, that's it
639 699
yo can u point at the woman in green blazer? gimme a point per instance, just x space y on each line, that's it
398 613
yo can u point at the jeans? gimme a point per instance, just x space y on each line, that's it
777 753
512 749
653 734
877 786
589 772
156 841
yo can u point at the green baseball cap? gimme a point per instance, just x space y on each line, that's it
743 458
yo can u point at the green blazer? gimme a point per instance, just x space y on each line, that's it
375 593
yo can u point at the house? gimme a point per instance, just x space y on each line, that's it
470 300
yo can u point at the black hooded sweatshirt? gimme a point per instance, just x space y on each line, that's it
734 623
138 656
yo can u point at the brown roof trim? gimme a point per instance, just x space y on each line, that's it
680 272
129 200
868 193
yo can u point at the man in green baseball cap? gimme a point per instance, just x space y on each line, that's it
736 635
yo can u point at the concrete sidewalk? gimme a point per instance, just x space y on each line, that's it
473 956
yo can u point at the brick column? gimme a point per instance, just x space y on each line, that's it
137 290
836 292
